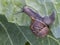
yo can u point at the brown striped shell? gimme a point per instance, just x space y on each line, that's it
39 28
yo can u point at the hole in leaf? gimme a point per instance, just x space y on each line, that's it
27 43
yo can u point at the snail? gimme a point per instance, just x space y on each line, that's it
39 25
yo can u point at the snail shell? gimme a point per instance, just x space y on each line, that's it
39 28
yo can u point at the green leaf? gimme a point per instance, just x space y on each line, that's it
9 33
14 28
10 8
56 26
13 34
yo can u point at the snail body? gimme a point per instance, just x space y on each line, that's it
39 25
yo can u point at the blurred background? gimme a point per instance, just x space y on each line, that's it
14 28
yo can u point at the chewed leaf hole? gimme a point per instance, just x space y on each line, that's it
27 43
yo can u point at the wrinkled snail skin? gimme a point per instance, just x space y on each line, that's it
49 20
39 24
31 13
